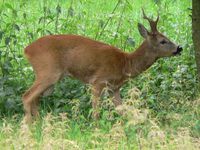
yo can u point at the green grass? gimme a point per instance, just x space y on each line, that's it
161 106
135 129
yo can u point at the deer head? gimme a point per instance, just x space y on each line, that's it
159 44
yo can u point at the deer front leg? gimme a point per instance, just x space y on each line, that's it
96 93
117 98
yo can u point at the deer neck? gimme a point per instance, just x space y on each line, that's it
140 60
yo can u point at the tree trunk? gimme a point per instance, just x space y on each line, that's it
196 31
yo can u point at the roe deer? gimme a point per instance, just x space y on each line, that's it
98 64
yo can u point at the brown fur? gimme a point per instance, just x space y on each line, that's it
55 56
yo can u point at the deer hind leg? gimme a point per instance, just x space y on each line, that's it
35 103
27 99
31 97
34 108
48 91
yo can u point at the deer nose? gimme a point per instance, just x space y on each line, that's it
179 49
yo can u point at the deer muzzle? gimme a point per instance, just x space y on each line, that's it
178 51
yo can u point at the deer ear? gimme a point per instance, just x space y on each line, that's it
143 31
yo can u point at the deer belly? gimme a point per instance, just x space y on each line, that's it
80 72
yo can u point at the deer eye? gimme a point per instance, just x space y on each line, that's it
163 42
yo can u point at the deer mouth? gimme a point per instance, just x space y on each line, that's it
178 51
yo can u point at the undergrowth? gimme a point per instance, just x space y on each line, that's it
136 128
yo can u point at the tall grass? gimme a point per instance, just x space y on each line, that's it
135 129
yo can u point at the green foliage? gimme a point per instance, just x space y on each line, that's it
165 86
